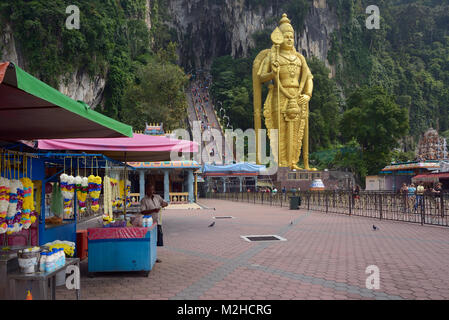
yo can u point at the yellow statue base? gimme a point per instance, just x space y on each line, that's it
307 168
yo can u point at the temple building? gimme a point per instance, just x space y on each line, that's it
430 166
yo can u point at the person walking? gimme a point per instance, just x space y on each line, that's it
152 204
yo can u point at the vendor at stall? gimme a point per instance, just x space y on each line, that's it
152 204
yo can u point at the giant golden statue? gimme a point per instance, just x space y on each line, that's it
287 104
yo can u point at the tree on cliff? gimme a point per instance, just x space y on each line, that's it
376 123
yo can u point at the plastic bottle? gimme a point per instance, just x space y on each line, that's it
150 221
58 259
42 262
54 254
62 256
50 262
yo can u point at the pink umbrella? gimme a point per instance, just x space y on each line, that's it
139 148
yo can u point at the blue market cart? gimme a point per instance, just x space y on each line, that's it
122 249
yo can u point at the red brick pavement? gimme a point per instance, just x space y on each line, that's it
325 257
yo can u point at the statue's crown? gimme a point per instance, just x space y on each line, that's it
284 24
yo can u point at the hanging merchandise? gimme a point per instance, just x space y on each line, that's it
3 226
28 202
82 185
68 190
56 206
4 196
107 194
4 201
94 183
15 202
94 191
28 198
122 196
115 193
128 193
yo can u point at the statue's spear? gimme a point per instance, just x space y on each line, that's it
278 38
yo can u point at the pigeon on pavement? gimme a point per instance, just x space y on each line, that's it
375 228
212 224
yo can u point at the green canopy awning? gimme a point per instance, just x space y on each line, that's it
31 109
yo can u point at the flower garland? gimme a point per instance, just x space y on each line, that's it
115 197
108 197
4 196
94 191
15 192
3 226
122 197
28 202
82 185
68 191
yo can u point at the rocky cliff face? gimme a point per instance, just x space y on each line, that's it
78 85
205 29
208 28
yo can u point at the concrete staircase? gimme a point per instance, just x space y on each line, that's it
201 109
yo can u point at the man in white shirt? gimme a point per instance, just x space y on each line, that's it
152 204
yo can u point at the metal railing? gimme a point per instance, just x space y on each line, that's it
425 209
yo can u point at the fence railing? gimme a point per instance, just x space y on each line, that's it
423 209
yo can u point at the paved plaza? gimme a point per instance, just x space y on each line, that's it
325 257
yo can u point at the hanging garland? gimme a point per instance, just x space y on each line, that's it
17 211
4 202
28 198
122 196
15 202
108 202
115 193
67 186
94 183
82 185
4 196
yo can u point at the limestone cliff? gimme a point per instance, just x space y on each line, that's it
205 29
208 28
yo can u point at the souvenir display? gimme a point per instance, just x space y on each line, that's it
94 183
68 191
82 188
107 194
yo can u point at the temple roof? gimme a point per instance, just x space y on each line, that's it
186 164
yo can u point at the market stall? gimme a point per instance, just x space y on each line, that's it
30 109
123 247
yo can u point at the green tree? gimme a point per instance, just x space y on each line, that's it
376 123
157 95
323 108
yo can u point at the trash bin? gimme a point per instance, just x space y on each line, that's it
295 202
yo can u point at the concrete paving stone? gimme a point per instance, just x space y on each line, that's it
325 257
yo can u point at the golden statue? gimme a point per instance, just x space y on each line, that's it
292 91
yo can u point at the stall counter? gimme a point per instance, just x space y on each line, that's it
122 249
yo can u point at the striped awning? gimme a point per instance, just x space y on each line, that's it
433 177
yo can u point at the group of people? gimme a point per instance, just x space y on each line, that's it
413 195
200 96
